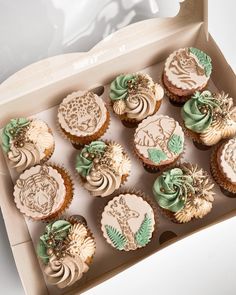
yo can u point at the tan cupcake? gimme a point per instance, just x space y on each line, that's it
103 167
43 192
223 166
134 97
66 249
184 193
27 142
83 117
158 142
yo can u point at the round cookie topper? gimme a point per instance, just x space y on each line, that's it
82 113
188 68
159 139
128 222
228 160
39 192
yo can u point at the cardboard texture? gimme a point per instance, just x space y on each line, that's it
42 86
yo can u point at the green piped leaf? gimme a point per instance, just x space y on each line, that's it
42 252
175 144
203 59
156 155
117 238
144 233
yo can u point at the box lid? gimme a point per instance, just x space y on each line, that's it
54 69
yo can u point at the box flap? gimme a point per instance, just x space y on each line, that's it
56 68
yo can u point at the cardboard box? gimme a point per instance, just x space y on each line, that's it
39 88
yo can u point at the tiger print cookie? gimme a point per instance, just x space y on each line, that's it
43 192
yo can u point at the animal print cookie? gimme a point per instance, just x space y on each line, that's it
43 191
128 222
83 117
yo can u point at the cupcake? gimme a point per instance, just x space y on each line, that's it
83 117
184 193
186 70
128 222
134 97
66 250
43 192
27 142
209 117
158 142
223 166
103 167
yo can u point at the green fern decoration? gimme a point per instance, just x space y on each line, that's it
117 238
204 60
144 233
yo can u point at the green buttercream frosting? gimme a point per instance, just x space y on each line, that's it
55 232
197 112
204 60
171 188
175 144
119 87
84 161
156 155
11 130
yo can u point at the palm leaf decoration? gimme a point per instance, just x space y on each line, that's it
144 233
117 238
204 60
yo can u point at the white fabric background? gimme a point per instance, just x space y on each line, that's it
202 264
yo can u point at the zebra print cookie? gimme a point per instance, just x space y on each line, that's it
186 70
43 192
128 222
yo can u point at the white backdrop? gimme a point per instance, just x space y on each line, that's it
34 29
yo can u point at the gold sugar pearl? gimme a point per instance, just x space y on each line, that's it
86 155
50 242
49 251
96 160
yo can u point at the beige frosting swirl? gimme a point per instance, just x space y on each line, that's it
103 182
65 271
141 104
23 157
40 135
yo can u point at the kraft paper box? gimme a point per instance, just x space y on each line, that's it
38 89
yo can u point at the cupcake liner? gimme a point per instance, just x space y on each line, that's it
189 133
218 176
79 142
147 199
82 180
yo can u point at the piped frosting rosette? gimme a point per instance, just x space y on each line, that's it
211 116
27 142
184 192
66 248
103 167
135 95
